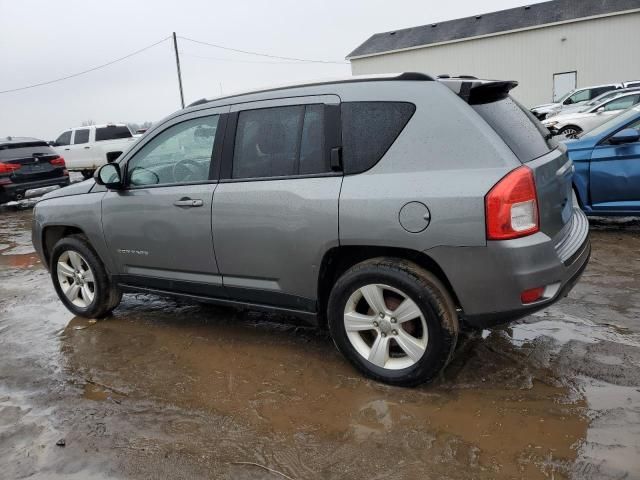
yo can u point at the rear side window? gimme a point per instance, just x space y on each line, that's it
81 136
369 129
600 90
519 129
280 141
111 133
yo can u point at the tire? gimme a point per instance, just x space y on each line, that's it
570 131
87 174
100 296
433 330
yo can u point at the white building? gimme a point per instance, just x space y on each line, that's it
549 48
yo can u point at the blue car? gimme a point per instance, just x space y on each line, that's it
607 162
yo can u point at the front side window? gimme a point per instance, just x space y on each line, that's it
81 136
580 96
280 141
621 103
64 139
180 154
112 132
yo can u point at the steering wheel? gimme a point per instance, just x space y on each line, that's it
188 170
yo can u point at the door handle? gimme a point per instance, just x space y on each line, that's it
67 149
188 202
87 148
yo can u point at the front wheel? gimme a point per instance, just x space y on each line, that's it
393 320
570 131
80 279
87 174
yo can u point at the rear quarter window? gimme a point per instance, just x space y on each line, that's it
112 133
369 129
520 130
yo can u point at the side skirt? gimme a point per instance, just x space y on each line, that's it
309 317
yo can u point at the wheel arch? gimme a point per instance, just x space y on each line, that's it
339 259
52 235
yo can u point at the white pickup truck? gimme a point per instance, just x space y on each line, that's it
86 148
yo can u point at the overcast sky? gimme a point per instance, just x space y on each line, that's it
43 40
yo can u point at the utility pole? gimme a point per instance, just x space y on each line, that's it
175 46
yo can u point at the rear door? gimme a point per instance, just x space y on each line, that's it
275 211
158 229
615 176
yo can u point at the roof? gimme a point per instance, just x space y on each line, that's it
404 76
530 16
9 140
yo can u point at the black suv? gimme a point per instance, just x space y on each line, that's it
27 164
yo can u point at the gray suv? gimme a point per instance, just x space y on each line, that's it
393 210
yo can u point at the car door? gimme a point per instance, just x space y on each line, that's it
615 176
76 153
158 228
275 211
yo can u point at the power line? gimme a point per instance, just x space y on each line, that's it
85 71
248 52
267 62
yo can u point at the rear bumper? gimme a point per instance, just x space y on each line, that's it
488 281
15 191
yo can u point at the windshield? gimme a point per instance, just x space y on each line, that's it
565 96
620 119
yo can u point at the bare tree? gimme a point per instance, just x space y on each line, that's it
88 123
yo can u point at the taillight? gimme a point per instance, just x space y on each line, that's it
512 206
9 168
58 162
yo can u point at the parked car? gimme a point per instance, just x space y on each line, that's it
572 124
574 97
607 162
631 84
599 99
86 148
28 164
354 204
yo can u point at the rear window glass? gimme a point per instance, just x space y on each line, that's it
520 130
14 151
369 129
111 133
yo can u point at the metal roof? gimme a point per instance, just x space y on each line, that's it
530 16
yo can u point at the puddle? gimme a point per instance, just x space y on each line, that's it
166 388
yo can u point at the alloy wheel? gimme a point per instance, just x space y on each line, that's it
76 278
385 326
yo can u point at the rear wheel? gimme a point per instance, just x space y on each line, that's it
80 279
393 320
570 131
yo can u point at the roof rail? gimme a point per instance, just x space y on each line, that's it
404 76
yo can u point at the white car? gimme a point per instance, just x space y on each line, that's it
572 124
578 96
583 107
86 148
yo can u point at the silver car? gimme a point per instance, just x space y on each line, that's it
572 124
393 210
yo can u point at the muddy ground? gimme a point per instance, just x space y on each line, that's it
167 389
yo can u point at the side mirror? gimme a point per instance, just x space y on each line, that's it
600 110
52 143
568 101
628 135
109 175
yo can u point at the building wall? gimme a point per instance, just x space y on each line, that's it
601 50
